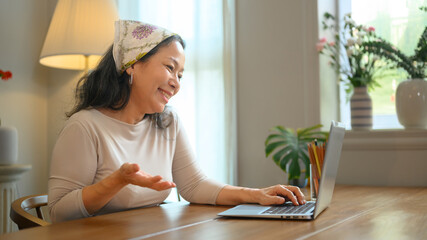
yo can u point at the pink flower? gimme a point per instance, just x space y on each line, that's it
319 46
331 44
371 29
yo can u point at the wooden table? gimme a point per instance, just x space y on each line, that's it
355 213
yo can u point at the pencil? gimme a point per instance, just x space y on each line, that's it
314 174
317 159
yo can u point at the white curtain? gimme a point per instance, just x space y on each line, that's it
206 101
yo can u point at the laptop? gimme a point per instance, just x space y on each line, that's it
311 209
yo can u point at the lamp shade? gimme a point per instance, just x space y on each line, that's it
79 34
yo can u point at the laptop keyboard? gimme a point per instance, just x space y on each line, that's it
290 209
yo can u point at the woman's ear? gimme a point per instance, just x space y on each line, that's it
129 70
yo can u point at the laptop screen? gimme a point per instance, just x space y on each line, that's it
330 166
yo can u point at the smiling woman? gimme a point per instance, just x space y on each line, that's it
110 156
118 125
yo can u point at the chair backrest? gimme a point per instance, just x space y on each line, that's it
20 216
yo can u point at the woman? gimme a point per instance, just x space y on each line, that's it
123 148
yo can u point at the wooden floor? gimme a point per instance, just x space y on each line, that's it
355 213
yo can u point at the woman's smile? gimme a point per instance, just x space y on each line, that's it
166 95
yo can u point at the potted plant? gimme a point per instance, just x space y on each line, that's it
355 66
411 95
290 146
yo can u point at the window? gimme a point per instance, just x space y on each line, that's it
401 22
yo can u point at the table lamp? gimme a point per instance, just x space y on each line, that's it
80 32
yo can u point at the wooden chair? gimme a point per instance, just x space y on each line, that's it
20 216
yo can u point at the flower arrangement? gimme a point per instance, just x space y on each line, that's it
415 65
5 75
360 67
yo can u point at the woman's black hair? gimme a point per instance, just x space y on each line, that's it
104 87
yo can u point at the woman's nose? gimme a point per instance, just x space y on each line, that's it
174 82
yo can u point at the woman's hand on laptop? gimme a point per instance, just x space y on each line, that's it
277 194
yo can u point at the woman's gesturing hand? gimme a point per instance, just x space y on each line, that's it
131 173
97 195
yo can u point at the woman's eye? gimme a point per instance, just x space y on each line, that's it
169 67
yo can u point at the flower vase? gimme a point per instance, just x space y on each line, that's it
361 109
411 103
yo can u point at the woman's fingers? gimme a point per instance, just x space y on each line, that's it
154 179
129 168
297 193
153 182
162 185
288 193
134 175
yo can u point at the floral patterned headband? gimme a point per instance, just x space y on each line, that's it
133 39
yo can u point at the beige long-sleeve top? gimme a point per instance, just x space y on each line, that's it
92 146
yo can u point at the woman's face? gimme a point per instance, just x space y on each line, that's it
158 79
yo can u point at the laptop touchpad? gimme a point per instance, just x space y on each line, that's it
250 209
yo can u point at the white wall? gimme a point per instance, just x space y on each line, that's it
277 79
60 97
36 98
23 102
384 158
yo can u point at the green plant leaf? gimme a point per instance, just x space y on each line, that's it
306 160
285 161
279 154
278 129
286 132
273 136
270 147
302 131
294 168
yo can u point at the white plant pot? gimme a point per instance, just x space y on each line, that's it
411 103
8 145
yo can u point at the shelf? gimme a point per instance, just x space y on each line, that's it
386 139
